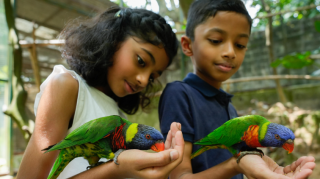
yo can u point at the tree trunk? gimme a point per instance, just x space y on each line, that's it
269 44
185 5
16 109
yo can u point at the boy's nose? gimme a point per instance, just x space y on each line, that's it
228 51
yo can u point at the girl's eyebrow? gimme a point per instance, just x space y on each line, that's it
150 54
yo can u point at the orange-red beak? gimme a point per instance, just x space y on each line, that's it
289 146
158 146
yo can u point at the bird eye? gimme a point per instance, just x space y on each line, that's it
148 136
277 136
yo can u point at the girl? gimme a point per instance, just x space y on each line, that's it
115 59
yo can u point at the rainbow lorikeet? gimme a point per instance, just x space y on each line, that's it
242 136
101 138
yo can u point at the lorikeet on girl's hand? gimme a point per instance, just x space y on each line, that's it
244 134
101 138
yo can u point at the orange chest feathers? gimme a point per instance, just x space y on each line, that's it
251 136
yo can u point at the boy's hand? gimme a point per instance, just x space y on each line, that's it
266 168
155 165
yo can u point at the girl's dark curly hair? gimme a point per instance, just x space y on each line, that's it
91 44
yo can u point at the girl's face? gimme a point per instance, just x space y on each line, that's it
135 64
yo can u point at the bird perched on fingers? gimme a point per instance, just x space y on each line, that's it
242 136
104 137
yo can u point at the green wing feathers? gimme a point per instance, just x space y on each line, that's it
91 131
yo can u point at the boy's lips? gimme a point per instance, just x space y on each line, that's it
224 67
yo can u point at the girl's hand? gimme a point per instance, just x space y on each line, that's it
140 164
266 168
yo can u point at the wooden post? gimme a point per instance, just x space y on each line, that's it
34 60
269 44
16 109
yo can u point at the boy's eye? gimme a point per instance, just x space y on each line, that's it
241 46
141 62
214 41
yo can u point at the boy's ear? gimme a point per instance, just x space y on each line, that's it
186 45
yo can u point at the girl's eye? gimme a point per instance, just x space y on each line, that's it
141 62
240 46
148 136
151 79
214 41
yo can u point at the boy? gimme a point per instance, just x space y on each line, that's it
216 37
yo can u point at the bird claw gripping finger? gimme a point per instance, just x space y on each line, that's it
97 164
244 153
116 155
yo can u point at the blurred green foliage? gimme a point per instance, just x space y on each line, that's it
294 61
282 5
317 25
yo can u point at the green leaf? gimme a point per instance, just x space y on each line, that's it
276 63
317 25
295 61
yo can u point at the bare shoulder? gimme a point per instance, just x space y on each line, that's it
62 89
58 101
64 80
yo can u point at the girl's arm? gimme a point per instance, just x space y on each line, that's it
252 166
56 108
140 164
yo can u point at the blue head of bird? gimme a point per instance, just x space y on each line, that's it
279 136
144 137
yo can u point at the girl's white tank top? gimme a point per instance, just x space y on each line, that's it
91 104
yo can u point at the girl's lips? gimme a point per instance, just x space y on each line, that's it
224 68
128 88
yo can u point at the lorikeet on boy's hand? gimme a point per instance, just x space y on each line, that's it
101 138
244 134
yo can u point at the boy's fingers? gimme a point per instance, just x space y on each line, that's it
179 141
168 140
302 163
175 156
175 127
168 158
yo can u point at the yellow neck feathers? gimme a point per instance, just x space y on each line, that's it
131 132
263 130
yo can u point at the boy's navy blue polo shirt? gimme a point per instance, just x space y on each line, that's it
200 108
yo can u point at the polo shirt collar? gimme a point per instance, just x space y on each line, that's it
206 89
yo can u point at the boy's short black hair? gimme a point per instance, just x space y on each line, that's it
201 10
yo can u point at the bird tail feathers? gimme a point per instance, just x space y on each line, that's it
61 162
202 149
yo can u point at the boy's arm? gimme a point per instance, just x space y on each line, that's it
184 170
252 166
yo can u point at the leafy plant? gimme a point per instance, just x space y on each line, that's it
294 61
317 25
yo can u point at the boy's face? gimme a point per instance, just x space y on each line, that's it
219 46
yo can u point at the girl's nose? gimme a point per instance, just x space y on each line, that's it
143 79
228 51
